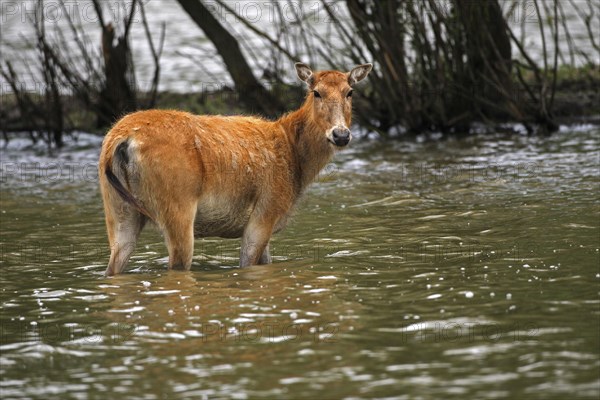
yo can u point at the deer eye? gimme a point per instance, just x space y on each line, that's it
317 94
349 94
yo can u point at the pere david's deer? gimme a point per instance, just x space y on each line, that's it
199 176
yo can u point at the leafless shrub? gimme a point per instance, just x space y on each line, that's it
99 78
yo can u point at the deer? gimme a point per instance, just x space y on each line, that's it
197 176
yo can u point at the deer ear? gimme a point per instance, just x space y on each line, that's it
359 73
304 73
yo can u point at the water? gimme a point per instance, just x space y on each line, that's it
459 268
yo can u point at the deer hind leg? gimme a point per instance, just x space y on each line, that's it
179 235
265 257
124 226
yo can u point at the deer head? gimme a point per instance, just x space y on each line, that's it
330 100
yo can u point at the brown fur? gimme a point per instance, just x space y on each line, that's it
198 176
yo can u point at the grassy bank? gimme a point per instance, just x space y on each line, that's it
577 94
577 100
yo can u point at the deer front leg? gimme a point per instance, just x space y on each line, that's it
255 243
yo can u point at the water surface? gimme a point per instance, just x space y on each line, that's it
464 268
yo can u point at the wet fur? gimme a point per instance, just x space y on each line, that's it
197 176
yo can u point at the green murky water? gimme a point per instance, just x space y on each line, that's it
462 268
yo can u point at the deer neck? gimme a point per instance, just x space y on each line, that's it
310 149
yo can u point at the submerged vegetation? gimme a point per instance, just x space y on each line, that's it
439 66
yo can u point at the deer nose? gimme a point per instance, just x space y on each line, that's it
341 136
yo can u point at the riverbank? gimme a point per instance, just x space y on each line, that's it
577 100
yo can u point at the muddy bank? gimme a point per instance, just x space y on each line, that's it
577 100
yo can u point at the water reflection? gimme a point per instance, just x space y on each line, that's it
269 304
